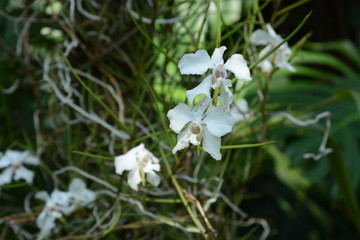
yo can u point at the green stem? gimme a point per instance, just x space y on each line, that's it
247 145
93 155
218 24
215 96
181 194
156 200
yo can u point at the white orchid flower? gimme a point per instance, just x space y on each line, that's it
138 161
271 40
79 194
200 61
13 162
240 111
206 127
57 204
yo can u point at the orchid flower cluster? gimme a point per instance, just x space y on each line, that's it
60 203
270 39
208 120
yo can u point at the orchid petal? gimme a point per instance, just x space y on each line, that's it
23 173
265 66
183 140
153 178
281 61
211 144
226 98
60 198
217 57
202 88
46 222
237 65
6 176
221 82
218 122
179 116
200 108
134 179
150 166
42 195
195 139
5 161
80 193
272 32
77 185
153 158
128 160
31 159
195 63
260 37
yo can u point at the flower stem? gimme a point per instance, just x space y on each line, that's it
181 194
215 96
218 22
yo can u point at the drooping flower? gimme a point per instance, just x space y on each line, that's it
138 161
270 39
13 162
60 203
57 204
206 125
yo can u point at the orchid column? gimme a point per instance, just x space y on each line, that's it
209 119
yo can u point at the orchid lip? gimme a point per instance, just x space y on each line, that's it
195 128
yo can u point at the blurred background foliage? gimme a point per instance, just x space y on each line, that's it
299 198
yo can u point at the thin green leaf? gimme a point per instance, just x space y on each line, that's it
250 145
341 176
116 220
93 155
291 6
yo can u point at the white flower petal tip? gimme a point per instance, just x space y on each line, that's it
217 57
195 63
260 37
138 160
211 144
237 64
13 162
291 68
122 162
179 117
80 195
203 88
226 99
